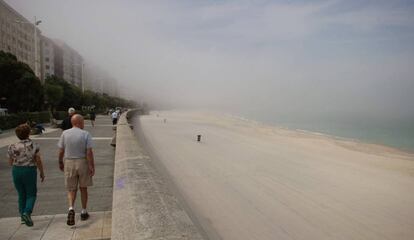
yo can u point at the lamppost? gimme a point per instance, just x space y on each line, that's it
35 24
101 83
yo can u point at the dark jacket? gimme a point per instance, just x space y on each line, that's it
92 115
66 123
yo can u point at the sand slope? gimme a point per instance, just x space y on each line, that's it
250 181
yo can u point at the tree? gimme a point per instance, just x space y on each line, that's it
53 94
89 98
72 95
20 88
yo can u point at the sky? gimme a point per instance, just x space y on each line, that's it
323 57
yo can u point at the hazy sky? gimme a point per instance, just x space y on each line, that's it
328 57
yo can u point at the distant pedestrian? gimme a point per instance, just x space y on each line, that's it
77 162
92 116
40 129
66 123
114 116
36 128
24 156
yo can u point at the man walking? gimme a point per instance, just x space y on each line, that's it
67 123
77 162
92 116
114 116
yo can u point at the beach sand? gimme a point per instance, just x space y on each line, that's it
247 180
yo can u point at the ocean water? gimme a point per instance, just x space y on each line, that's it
397 133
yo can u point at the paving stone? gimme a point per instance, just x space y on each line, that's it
90 229
36 232
58 229
8 226
106 231
54 227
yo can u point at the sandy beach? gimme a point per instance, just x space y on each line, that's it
247 180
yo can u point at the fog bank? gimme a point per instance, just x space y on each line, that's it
297 58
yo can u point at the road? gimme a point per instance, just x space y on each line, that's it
249 181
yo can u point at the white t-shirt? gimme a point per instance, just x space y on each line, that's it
114 115
75 141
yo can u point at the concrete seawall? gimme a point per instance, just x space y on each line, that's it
143 206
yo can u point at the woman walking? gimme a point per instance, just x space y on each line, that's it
24 156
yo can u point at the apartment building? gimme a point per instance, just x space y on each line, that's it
48 57
99 80
17 36
68 63
61 60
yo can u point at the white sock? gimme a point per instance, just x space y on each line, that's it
83 211
71 208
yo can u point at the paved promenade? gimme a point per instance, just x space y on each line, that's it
50 211
53 227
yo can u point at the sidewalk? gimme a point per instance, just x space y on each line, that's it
51 203
53 227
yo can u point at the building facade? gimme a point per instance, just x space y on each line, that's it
17 36
48 57
98 80
68 63
61 60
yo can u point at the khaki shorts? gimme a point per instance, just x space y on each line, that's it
77 173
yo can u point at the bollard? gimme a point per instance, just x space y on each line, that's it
198 138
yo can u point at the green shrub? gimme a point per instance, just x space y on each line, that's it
44 117
13 120
60 115
85 114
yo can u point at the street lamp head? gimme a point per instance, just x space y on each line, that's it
36 23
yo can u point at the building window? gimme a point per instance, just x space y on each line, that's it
47 59
47 67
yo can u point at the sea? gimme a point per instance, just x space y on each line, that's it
396 132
